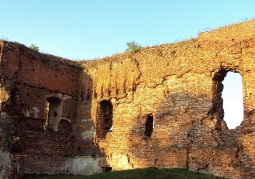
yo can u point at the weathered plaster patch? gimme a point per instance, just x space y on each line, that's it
66 119
26 113
5 164
35 111
86 120
64 97
3 113
85 165
88 134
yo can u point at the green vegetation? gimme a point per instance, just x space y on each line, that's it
149 173
133 47
34 47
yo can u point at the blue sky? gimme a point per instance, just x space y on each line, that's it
83 29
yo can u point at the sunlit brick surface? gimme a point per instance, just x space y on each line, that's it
179 85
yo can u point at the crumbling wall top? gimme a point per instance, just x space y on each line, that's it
235 32
33 54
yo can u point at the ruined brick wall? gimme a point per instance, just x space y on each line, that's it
178 87
28 81
159 107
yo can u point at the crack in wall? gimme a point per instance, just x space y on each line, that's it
137 81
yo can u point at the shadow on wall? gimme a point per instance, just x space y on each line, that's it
162 138
89 158
44 136
189 132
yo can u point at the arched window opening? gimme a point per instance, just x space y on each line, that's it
104 118
149 125
233 100
53 113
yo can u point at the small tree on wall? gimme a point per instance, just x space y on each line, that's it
34 47
133 47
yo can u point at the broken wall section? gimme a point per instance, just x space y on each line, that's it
6 125
30 81
153 82
178 85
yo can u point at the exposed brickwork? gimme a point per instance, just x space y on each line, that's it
28 78
159 107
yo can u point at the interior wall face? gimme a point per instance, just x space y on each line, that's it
159 107
29 79
180 85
